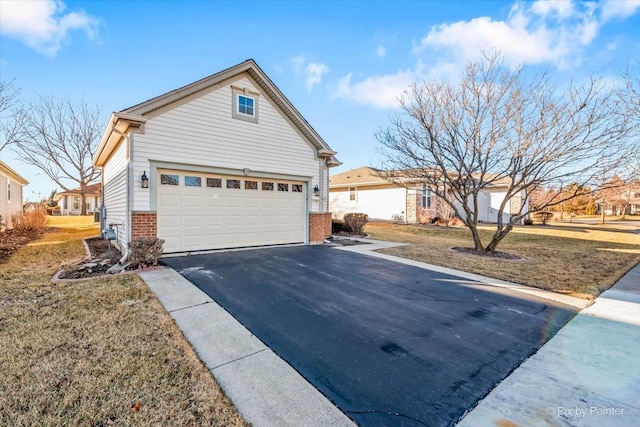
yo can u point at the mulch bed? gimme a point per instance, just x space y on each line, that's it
497 254
97 265
12 240
345 241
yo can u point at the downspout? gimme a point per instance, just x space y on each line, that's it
126 136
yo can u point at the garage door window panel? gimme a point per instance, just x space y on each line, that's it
166 179
296 188
192 181
233 183
283 187
214 182
251 185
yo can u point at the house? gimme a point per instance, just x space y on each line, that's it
11 186
224 162
405 200
70 202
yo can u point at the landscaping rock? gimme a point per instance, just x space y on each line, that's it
118 268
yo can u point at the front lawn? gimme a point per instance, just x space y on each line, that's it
98 352
575 259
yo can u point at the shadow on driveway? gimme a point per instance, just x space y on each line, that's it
389 344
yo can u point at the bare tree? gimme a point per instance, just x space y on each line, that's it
9 115
497 126
60 139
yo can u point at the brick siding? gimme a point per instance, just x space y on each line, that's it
319 227
144 224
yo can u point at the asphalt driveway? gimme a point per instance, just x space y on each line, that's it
388 343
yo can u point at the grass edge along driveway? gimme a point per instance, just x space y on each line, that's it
97 352
574 259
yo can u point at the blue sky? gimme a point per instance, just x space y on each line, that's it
343 64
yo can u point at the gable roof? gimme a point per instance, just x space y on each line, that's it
250 67
91 190
6 170
368 176
360 176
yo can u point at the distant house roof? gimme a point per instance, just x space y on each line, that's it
360 176
135 116
91 190
368 176
6 170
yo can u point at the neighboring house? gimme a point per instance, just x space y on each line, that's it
363 190
224 162
70 202
11 186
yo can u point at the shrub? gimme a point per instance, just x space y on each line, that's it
338 227
543 216
456 222
145 251
33 220
527 221
356 221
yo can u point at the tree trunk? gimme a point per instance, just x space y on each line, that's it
83 200
602 214
497 238
476 237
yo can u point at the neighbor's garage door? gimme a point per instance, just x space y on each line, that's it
199 211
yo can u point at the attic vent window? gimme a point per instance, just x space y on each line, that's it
245 105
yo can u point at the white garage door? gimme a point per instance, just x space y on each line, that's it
198 211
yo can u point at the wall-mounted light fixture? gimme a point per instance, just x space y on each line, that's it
316 191
144 180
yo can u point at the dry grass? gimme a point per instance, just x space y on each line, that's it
100 352
575 259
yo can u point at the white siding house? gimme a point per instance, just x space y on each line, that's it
229 161
362 190
70 202
11 189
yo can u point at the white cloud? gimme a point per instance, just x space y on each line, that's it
42 25
542 32
381 51
619 8
546 32
383 91
312 72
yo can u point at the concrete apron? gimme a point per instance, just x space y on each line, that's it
587 375
262 386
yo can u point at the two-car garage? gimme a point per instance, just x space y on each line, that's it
200 211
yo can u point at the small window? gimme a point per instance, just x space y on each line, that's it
76 203
245 105
214 182
426 197
251 185
352 194
296 188
283 187
267 186
233 183
169 179
192 181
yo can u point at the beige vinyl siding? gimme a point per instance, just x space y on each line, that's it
203 132
13 206
115 191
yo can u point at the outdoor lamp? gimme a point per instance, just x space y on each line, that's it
316 191
144 180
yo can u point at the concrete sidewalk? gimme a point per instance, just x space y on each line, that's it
263 387
587 375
